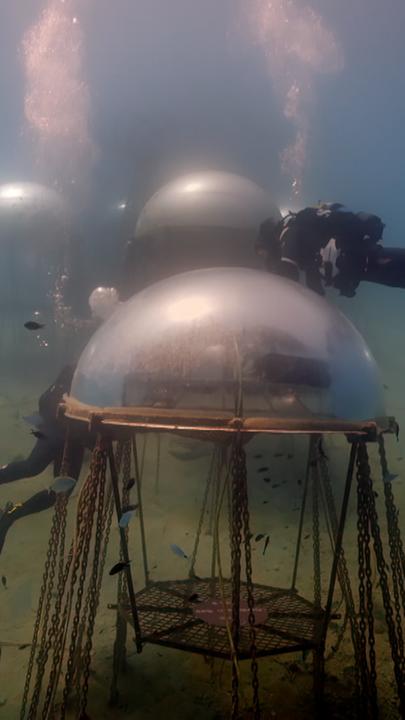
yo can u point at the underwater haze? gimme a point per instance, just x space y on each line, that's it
102 104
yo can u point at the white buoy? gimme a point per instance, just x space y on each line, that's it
103 301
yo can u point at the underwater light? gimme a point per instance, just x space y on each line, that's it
189 308
193 186
12 192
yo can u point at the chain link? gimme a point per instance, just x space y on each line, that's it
364 474
366 624
249 582
236 530
240 525
43 612
316 536
94 582
85 521
396 553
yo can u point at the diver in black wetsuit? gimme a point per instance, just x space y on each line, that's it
50 444
333 247
48 449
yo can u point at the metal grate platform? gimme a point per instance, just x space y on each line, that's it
189 615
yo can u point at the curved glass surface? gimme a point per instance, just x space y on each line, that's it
208 199
31 212
203 220
231 339
33 235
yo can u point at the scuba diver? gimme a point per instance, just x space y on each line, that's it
50 434
333 247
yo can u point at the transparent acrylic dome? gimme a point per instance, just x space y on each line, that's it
208 199
206 219
31 213
33 236
231 339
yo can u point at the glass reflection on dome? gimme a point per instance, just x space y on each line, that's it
231 339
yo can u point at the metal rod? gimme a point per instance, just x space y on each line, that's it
339 536
138 479
312 442
316 539
124 547
157 475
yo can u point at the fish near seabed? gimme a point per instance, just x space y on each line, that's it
178 551
62 484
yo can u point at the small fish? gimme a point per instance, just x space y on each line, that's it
266 543
126 517
178 551
399 459
375 493
263 469
62 484
32 325
267 479
276 485
194 598
259 537
258 456
299 481
38 434
36 420
278 454
119 567
265 502
290 456
306 537
23 647
385 387
4 581
130 484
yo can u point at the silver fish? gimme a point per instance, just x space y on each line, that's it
126 518
62 484
178 551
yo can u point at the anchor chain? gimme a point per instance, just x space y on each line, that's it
249 584
366 624
85 521
94 584
396 553
364 471
316 537
43 611
240 526
236 539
